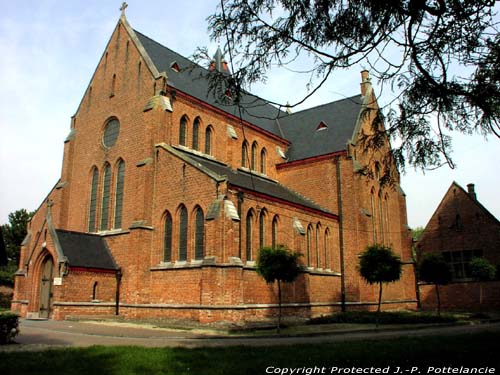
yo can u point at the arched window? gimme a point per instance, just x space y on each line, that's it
263 161
309 239
94 291
199 234
249 236
183 233
113 86
182 131
120 182
318 229
275 232
106 193
380 218
374 225
244 154
327 246
93 200
196 130
167 238
253 160
386 217
208 140
262 228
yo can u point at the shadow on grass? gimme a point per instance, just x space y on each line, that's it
459 350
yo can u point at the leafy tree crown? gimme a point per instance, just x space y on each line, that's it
278 264
378 264
434 269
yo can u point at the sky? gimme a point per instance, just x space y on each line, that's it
50 49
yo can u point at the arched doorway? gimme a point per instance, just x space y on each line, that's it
46 287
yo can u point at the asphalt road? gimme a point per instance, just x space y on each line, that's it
41 334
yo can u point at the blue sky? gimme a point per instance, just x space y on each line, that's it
50 50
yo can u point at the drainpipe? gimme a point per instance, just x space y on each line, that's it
117 296
341 234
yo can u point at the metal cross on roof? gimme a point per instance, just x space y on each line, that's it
123 7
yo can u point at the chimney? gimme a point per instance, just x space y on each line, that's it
471 191
365 81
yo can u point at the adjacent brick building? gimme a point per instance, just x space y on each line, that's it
167 192
460 229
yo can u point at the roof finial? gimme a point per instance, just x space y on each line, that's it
123 7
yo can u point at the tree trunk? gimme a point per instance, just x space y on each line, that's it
379 297
279 303
438 300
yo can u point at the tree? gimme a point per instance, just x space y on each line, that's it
278 264
441 57
482 270
378 264
3 250
14 233
434 269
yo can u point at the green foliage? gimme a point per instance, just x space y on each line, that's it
9 324
390 317
7 274
14 233
416 233
378 264
278 264
482 269
442 59
434 269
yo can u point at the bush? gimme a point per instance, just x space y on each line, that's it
9 327
7 274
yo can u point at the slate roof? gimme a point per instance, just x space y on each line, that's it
299 128
253 182
86 250
193 82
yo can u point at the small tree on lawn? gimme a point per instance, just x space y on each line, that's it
278 264
434 269
482 270
378 264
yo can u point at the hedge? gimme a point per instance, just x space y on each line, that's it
9 327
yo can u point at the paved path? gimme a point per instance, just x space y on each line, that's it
40 334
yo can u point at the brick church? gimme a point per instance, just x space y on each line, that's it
167 193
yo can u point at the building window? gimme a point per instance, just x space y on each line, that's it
244 154
262 229
94 291
113 86
380 218
182 131
93 200
196 130
263 161
208 140
106 192
459 262
111 132
458 223
275 232
309 239
374 225
253 160
327 245
318 229
249 237
386 217
120 182
167 238
183 235
199 234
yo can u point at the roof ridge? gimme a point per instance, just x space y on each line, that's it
319 106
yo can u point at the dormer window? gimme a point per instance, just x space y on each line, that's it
321 126
175 67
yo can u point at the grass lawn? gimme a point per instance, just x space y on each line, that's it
406 353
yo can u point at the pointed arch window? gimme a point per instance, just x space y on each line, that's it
93 200
249 236
318 229
167 238
183 233
208 140
196 131
274 230
244 154
262 229
263 154
309 239
253 160
386 217
120 183
106 194
374 225
199 234
182 131
327 246
113 86
381 218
